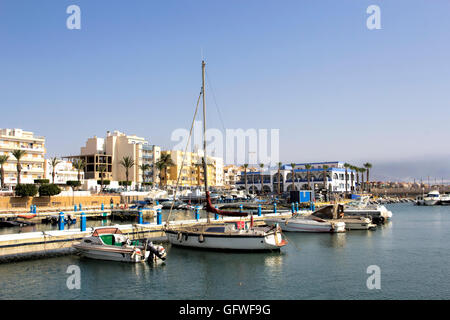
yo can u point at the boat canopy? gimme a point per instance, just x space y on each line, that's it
329 212
100 231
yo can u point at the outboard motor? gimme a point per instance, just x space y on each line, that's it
158 251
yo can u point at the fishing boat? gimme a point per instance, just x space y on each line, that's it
432 198
111 244
237 235
419 200
362 208
299 223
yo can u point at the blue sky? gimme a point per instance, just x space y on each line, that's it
312 69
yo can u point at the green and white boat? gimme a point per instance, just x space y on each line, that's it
109 243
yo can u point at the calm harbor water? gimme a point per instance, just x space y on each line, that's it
412 252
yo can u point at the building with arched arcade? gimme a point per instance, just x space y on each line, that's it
297 179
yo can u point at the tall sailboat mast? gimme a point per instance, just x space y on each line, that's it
205 166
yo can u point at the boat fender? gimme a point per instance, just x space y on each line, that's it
201 239
179 236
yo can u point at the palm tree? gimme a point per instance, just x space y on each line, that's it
18 154
144 167
352 176
346 166
279 177
102 168
79 164
357 177
128 163
245 175
164 162
54 163
261 165
362 170
308 175
3 160
368 166
293 176
325 183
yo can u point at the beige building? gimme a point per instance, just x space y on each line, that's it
32 162
232 175
192 174
109 152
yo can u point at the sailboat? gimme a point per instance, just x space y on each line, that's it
232 235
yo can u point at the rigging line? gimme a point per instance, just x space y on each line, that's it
215 101
184 158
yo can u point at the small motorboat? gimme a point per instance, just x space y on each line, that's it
419 201
299 223
111 244
432 198
335 213
445 199
14 222
362 208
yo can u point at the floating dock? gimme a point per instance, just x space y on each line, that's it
30 245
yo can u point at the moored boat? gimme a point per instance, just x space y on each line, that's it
111 244
310 223
432 198
229 236
362 208
445 199
235 236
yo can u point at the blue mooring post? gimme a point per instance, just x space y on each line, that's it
35 209
103 206
292 208
79 207
216 216
157 202
140 220
274 207
259 210
31 209
197 213
241 207
82 222
75 208
158 217
296 207
61 221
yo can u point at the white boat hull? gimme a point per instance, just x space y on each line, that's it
430 202
305 225
111 254
271 241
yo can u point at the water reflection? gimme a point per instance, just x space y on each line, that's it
274 263
328 240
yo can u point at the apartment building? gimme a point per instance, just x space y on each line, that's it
231 174
109 152
192 173
33 163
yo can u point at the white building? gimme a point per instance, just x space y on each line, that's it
64 171
33 160
335 178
